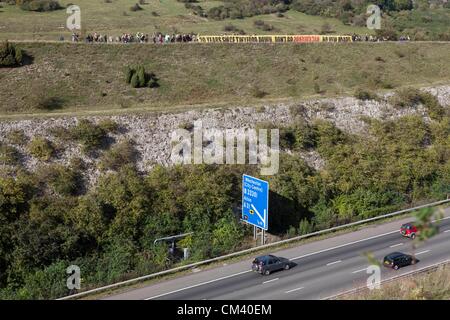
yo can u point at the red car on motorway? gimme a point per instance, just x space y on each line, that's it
409 230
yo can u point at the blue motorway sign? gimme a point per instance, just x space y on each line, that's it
255 201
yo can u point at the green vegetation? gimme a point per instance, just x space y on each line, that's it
363 94
10 55
422 21
90 135
48 220
119 155
168 16
411 97
138 78
38 5
17 137
8 155
41 148
219 70
63 181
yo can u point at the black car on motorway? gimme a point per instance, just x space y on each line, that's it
397 260
267 264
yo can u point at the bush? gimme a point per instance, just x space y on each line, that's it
129 74
109 126
305 227
61 133
90 135
63 180
39 5
263 26
8 155
118 156
411 97
17 137
138 78
406 97
363 94
141 76
10 55
41 148
135 81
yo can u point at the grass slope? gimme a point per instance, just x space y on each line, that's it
67 77
115 18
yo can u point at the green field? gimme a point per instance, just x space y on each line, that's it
116 18
87 77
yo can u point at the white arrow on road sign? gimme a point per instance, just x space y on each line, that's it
263 219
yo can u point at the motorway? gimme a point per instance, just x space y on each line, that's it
323 268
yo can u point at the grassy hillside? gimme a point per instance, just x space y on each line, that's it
91 77
116 18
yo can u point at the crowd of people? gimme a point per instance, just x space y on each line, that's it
159 37
372 38
139 37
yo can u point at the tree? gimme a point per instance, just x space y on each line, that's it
226 235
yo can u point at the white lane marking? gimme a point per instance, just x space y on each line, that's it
268 281
447 231
199 284
293 290
357 271
422 252
396 245
331 263
344 245
296 258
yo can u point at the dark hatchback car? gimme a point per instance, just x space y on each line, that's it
397 260
267 264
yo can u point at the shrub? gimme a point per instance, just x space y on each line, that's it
141 76
90 135
263 26
406 97
17 137
412 97
41 148
61 133
39 5
138 78
63 180
8 155
135 81
129 74
363 94
109 126
10 55
434 108
305 227
119 155
44 102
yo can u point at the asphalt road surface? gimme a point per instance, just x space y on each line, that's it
323 268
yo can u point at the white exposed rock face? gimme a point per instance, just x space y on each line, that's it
152 132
